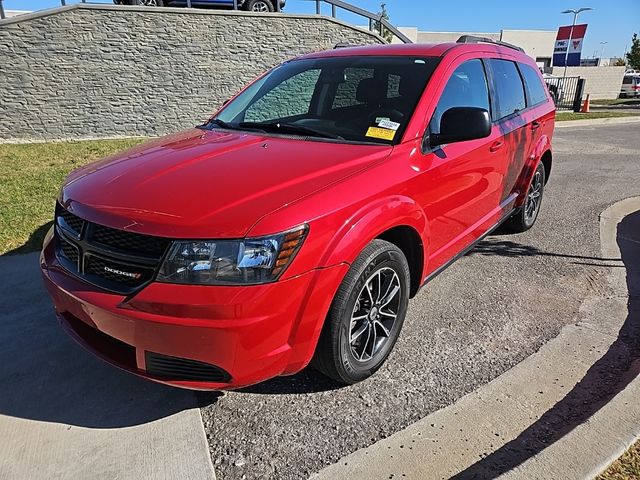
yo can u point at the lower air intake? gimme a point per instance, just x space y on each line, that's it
182 369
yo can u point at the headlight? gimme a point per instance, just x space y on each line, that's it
224 262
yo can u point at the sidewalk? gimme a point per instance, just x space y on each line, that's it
565 412
67 415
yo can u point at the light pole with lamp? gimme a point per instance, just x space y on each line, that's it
602 51
575 17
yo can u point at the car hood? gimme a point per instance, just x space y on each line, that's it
209 184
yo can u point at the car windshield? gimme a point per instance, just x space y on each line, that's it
346 99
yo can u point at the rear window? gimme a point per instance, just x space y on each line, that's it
627 80
536 91
509 89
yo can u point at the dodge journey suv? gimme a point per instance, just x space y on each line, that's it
295 225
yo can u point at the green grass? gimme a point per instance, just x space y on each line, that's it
617 101
30 178
565 116
627 467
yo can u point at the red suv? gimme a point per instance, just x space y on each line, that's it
296 224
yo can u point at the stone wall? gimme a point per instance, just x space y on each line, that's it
601 82
91 71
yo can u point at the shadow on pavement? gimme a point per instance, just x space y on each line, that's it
306 381
34 243
606 378
45 376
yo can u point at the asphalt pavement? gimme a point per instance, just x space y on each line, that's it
485 314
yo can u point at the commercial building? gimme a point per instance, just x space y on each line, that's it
537 44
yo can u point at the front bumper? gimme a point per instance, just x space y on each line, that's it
240 335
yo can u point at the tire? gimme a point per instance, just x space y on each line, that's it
358 309
262 6
525 217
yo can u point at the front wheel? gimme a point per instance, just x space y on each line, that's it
366 315
525 217
262 6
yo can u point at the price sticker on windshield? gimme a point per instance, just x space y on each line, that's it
388 124
381 133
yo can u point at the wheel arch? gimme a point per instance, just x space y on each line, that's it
547 161
398 220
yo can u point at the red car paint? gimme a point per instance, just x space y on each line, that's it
213 184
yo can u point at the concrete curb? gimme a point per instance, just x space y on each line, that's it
598 121
500 428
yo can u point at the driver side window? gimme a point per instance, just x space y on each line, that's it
467 87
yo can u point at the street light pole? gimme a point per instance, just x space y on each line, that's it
602 50
575 18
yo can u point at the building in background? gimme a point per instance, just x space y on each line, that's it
538 44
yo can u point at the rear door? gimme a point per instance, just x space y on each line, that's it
508 104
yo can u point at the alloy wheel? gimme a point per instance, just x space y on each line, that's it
532 204
260 7
374 314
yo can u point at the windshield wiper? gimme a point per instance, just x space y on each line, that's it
280 127
220 123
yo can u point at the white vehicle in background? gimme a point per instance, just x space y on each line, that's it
554 84
630 86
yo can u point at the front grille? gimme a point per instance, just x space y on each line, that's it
183 369
130 242
117 272
70 220
115 260
69 250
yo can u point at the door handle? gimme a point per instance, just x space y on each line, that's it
535 125
496 146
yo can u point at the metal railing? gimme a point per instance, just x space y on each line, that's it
375 19
567 92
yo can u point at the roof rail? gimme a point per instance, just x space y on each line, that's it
474 39
345 45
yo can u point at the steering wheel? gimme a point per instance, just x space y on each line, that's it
390 113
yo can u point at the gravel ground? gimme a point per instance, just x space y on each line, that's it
486 313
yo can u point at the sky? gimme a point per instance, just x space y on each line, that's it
611 21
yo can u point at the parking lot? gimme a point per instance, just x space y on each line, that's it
483 315
486 313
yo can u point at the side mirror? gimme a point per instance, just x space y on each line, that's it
460 124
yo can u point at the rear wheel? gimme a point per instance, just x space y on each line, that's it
259 6
366 315
525 217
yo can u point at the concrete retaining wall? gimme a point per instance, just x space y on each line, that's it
87 71
601 82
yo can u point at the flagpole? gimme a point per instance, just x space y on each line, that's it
575 17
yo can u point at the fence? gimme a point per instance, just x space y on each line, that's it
375 19
566 92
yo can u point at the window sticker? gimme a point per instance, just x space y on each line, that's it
381 119
388 124
381 133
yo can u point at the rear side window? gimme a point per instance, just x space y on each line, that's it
467 87
509 88
536 91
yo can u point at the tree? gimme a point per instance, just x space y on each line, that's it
386 34
633 55
620 62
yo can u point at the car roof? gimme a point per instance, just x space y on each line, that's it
415 50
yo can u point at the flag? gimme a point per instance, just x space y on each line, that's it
571 42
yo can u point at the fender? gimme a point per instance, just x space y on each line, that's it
370 222
543 145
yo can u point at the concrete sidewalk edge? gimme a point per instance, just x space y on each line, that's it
490 419
598 121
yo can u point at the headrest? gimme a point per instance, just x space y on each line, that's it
371 90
